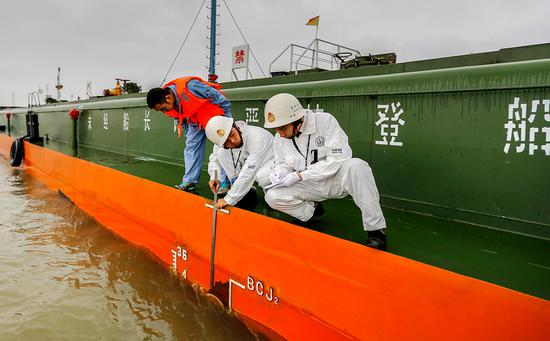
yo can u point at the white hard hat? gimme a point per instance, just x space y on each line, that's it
218 129
282 109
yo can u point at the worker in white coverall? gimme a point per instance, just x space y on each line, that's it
244 152
313 162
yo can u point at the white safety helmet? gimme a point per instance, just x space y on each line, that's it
282 109
218 129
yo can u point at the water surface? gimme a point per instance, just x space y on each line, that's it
65 277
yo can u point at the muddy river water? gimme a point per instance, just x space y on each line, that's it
65 277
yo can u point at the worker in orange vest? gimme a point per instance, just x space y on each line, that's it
191 101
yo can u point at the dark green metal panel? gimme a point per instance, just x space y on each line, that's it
452 162
154 134
17 122
131 130
57 125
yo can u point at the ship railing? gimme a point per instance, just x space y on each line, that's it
318 54
33 99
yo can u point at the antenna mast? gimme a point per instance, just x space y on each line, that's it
89 89
58 84
212 65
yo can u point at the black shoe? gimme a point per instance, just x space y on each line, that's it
249 201
377 239
310 224
319 210
187 186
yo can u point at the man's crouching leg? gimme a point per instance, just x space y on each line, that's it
287 200
358 181
262 175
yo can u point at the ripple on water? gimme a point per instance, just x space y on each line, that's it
65 277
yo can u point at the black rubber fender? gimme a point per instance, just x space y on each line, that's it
16 153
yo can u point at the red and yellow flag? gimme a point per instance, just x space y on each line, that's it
313 21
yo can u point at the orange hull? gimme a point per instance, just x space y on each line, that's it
296 283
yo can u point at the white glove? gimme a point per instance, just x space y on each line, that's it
288 181
277 176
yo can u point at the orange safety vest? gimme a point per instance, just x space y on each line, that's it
195 109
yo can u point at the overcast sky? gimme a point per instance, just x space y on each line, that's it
101 40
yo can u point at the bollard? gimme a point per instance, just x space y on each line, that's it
74 114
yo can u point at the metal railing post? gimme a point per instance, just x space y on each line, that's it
291 57
316 53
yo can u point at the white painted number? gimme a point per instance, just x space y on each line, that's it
179 253
182 253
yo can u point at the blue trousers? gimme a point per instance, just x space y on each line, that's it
193 154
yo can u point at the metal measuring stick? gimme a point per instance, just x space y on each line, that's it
214 220
213 245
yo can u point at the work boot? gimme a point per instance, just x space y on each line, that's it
377 239
249 201
187 186
319 210
311 224
224 188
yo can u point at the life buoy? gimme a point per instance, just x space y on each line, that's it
16 153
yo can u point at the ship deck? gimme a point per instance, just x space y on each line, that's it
507 259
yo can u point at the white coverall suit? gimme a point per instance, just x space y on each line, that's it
327 170
252 161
